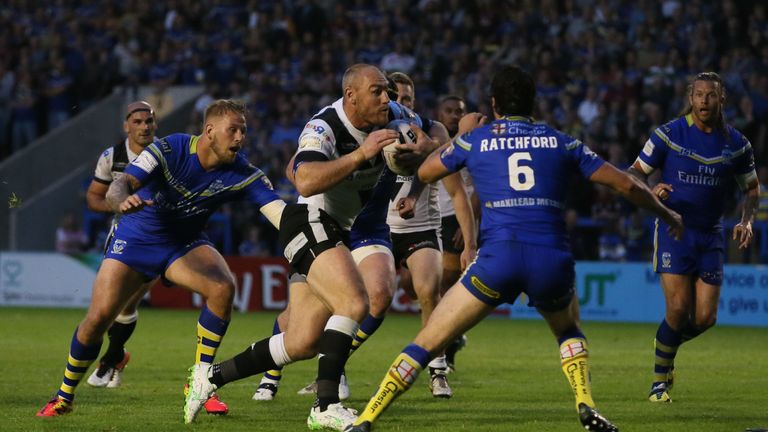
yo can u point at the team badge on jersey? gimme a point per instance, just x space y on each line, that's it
499 128
118 246
214 188
267 183
666 259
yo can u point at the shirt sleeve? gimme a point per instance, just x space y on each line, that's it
258 189
146 163
455 156
744 163
103 172
316 143
653 153
318 137
586 160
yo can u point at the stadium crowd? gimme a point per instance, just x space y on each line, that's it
608 72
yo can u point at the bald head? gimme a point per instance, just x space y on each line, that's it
356 74
365 96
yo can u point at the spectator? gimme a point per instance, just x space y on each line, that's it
253 245
588 108
608 71
57 90
611 242
23 114
70 237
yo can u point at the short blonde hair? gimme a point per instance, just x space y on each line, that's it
224 106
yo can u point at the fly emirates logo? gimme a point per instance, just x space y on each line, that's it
705 177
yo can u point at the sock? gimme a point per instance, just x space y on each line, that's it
210 331
667 342
399 378
367 328
452 349
119 333
80 358
335 344
438 365
574 362
266 354
274 375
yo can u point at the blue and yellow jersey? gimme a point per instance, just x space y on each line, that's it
701 167
521 171
184 193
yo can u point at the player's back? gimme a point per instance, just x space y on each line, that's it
521 172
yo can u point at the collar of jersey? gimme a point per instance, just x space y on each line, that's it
193 144
518 119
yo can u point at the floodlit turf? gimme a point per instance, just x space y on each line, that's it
508 379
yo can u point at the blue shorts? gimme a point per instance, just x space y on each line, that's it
150 257
377 234
699 252
504 269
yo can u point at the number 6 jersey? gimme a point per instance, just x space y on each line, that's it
521 171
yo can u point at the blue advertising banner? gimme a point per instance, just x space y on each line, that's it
631 292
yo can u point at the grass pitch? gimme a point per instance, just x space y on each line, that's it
508 379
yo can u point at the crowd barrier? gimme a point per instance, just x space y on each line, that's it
619 292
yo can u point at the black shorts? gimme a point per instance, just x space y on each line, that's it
306 232
449 227
405 244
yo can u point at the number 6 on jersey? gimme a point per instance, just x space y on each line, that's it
520 176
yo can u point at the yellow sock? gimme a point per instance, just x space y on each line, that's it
574 361
401 374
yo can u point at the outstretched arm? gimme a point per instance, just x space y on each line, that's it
639 194
273 211
121 198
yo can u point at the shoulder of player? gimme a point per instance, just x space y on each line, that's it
248 172
670 132
466 139
398 111
107 154
564 140
739 139
324 124
173 143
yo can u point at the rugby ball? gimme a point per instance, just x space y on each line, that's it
406 136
